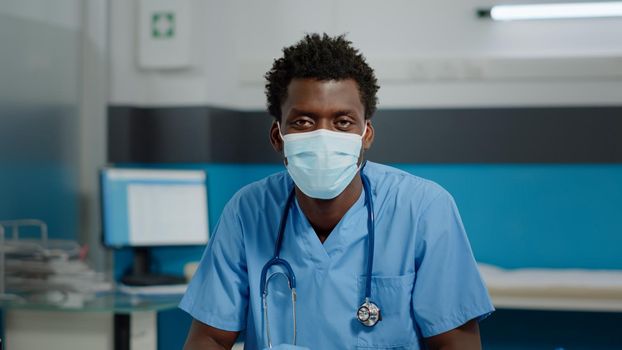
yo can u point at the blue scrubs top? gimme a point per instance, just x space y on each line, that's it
425 279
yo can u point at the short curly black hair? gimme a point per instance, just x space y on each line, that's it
323 58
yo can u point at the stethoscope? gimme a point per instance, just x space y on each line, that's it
368 314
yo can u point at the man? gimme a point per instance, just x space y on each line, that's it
423 277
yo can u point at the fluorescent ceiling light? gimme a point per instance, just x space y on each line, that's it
554 11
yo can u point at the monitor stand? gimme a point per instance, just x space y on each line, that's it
141 276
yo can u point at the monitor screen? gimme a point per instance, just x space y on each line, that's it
153 207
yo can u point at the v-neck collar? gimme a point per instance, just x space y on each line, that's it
334 243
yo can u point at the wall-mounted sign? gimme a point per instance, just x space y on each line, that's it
164 34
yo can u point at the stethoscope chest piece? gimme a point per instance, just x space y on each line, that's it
368 314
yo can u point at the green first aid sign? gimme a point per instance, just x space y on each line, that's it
163 25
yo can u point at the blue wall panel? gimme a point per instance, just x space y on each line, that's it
537 215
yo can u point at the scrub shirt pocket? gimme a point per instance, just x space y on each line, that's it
396 330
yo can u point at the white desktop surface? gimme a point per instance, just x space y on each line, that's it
554 289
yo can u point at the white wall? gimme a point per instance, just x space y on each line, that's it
39 52
427 53
93 125
39 112
53 99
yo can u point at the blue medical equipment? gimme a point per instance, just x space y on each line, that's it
367 314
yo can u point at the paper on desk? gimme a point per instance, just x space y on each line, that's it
175 289
43 267
84 283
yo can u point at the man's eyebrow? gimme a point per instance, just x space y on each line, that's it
298 111
350 112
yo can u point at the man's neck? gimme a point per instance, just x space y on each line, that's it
325 214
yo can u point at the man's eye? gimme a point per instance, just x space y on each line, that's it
302 122
344 123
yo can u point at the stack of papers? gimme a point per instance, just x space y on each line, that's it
167 290
31 266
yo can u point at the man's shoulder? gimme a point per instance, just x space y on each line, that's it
392 179
273 187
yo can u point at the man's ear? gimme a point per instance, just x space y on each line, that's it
275 138
368 137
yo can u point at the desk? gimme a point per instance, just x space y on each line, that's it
554 289
69 320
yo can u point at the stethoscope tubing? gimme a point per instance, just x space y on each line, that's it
370 235
289 272
264 301
276 260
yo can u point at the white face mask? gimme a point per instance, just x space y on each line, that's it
322 163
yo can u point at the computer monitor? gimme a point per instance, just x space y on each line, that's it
143 208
